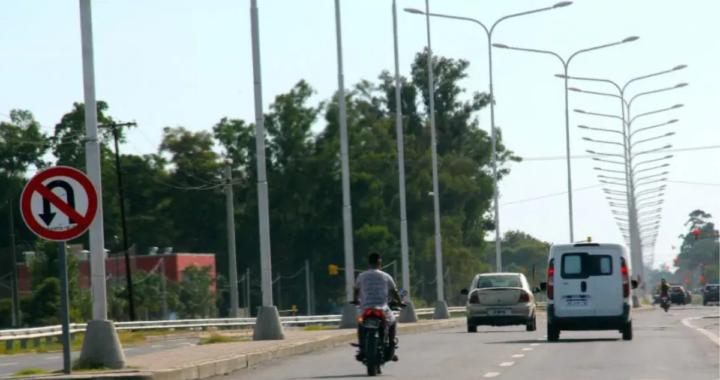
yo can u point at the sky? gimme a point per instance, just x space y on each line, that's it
188 63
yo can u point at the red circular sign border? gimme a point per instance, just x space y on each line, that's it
37 180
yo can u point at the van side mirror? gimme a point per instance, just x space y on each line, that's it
464 292
536 290
543 286
634 284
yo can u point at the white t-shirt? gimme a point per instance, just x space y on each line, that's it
374 288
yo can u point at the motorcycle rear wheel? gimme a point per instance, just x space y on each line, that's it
371 355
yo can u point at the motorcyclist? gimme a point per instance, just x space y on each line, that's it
663 288
372 289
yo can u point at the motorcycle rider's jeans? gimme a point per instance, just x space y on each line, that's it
392 333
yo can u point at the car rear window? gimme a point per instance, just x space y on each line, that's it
579 265
499 281
675 289
712 287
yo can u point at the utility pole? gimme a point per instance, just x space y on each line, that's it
230 208
307 288
163 285
247 292
115 127
16 319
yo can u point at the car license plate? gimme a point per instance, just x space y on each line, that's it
372 323
498 312
576 303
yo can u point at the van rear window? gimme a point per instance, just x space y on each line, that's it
578 265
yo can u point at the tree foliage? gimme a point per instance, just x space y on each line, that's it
174 197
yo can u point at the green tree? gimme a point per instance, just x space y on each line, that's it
196 295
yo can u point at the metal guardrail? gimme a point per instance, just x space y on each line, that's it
52 331
49 332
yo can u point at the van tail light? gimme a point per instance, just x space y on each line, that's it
625 280
524 297
550 289
474 298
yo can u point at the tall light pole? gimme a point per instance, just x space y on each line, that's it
349 313
636 245
488 33
408 314
267 325
101 344
566 64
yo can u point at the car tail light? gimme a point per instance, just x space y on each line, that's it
524 297
625 279
550 289
474 298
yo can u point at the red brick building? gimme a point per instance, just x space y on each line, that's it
172 264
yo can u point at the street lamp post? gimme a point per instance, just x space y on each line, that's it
349 313
566 64
493 133
407 315
636 245
267 325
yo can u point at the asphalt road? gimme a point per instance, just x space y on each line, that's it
663 348
10 364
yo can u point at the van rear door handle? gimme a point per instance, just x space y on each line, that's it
583 286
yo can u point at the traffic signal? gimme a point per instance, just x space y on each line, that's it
589 239
702 278
333 269
687 280
696 232
676 260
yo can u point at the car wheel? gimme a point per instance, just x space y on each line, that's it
532 325
553 333
627 333
471 328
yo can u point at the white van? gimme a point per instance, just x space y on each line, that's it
588 288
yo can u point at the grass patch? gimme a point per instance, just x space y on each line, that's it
218 338
319 328
29 372
127 338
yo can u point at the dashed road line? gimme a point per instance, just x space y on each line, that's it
518 355
52 358
158 346
506 364
7 364
535 344
527 349
492 374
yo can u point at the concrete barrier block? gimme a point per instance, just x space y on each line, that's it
206 370
258 357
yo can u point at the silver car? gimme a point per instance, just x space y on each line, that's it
500 299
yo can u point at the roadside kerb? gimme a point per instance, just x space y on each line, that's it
115 375
225 365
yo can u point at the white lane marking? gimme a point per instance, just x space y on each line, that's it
707 333
506 364
534 344
527 349
129 348
518 355
158 346
492 374
6 364
52 358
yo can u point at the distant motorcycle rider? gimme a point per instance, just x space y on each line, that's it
373 287
663 288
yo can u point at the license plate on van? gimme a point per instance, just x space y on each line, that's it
576 303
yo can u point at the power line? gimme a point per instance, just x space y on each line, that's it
695 183
551 195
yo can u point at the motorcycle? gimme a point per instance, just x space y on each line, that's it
665 302
376 350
